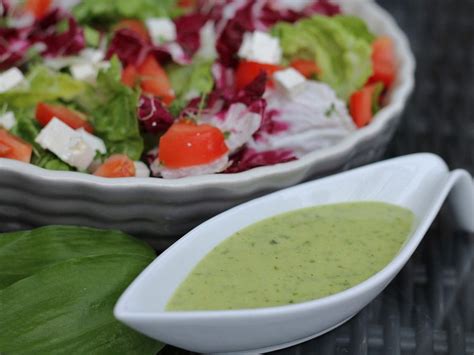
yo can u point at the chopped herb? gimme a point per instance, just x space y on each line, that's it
331 109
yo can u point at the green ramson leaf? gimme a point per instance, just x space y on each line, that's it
67 308
33 250
112 108
195 78
44 84
58 287
340 45
106 12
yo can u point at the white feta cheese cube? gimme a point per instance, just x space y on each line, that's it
207 38
161 30
289 81
7 120
80 154
95 142
10 78
141 170
66 144
294 5
260 47
84 71
92 55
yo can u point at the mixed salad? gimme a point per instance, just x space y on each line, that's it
176 88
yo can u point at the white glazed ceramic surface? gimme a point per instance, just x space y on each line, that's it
420 182
164 210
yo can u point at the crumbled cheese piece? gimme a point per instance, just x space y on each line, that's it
141 170
84 71
66 143
161 30
294 5
260 47
10 78
289 81
207 38
95 142
92 55
7 120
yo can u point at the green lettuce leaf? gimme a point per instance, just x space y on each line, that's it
356 26
340 45
43 84
107 12
195 78
112 109
62 285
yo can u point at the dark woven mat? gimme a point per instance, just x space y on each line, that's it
429 307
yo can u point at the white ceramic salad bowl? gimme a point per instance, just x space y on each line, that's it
165 209
419 182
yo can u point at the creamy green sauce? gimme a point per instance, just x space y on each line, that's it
296 256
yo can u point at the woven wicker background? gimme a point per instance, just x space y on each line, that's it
429 307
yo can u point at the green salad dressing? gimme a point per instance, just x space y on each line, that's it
296 256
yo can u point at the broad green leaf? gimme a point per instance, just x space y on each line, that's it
112 108
341 46
33 250
66 308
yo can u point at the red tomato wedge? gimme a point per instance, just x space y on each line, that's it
384 64
306 67
130 76
247 71
46 112
154 80
360 105
38 8
136 26
12 147
187 144
116 166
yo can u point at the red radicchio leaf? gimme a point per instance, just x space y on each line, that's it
13 47
129 47
12 50
69 42
4 8
253 91
14 42
271 15
247 159
187 32
220 99
152 115
323 7
229 41
45 31
270 124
